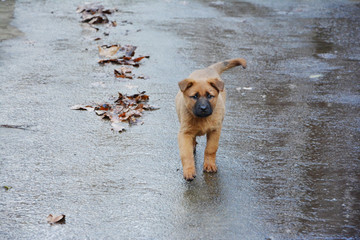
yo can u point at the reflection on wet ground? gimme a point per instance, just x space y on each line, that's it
289 152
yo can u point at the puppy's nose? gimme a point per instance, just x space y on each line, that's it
203 107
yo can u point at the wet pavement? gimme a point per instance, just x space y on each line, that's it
289 151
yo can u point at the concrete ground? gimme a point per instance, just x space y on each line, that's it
289 152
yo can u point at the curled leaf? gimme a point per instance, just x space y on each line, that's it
56 219
94 19
108 51
129 50
148 107
123 72
139 59
83 108
124 56
142 76
94 13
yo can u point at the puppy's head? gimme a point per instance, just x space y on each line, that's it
201 96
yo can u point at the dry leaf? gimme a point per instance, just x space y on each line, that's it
94 13
58 219
123 72
124 55
129 50
83 108
94 18
139 59
123 61
150 107
90 7
124 109
108 51
142 76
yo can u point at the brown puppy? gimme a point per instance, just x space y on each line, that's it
200 105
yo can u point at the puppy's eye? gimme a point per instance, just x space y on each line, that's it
196 96
209 96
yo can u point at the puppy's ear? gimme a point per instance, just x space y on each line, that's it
217 84
185 84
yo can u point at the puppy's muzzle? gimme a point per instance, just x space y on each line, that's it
202 108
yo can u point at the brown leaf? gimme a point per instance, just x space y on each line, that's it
126 58
140 58
150 108
101 113
94 13
142 76
89 27
129 50
108 51
58 219
124 109
103 107
83 108
94 18
123 72
103 61
90 7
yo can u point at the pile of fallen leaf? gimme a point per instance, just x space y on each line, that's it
94 13
125 110
122 112
121 55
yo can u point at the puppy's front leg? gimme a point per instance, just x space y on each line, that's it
210 151
186 147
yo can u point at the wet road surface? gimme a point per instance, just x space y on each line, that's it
289 151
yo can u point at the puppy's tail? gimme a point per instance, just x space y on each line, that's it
225 65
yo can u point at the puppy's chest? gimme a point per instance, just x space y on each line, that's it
202 132
202 127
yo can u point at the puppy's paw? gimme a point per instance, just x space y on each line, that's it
210 167
189 174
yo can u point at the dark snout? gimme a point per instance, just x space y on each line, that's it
202 108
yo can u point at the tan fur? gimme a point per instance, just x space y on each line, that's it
203 82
